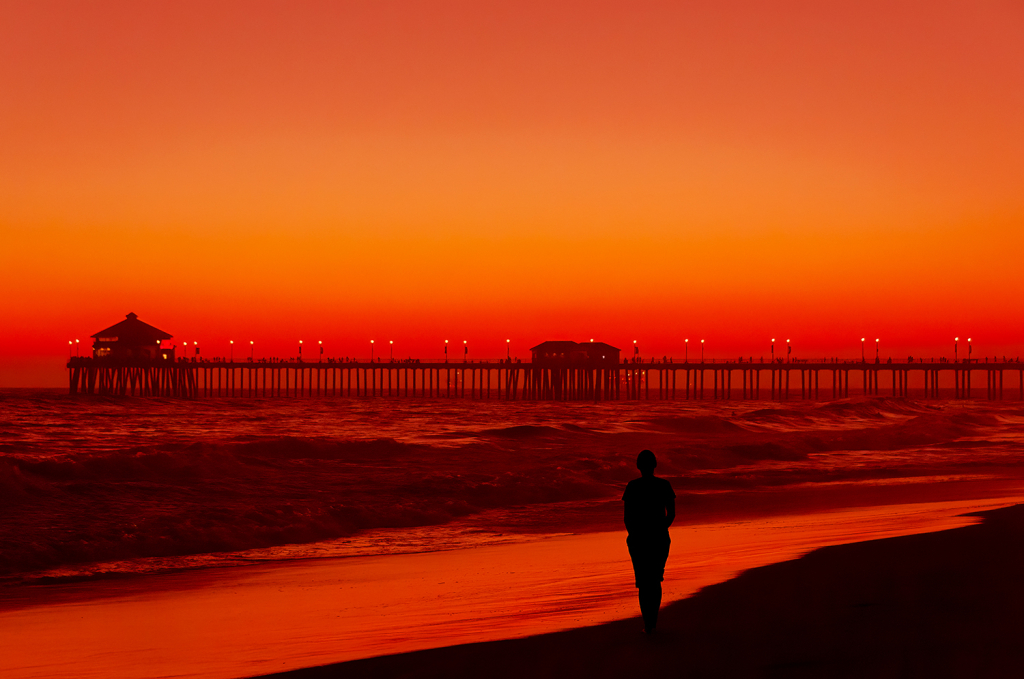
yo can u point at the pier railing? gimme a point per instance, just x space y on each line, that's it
514 380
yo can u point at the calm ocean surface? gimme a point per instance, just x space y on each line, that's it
95 486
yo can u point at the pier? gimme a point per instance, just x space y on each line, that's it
823 379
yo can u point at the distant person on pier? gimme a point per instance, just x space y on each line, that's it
649 509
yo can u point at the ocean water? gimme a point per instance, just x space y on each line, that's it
94 487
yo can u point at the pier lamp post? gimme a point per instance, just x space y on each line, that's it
970 350
956 342
773 350
702 351
392 346
446 351
231 349
195 346
76 348
789 350
321 351
636 352
877 359
252 348
371 351
70 343
184 350
465 350
508 350
686 350
300 351
862 359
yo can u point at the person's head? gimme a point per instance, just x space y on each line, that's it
646 462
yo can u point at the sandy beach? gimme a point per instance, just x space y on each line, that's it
227 555
942 604
247 621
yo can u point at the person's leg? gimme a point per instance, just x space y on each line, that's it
650 604
650 593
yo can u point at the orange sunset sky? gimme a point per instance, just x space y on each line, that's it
483 171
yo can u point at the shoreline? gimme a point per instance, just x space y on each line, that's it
937 604
485 528
236 622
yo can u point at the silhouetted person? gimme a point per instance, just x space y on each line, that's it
650 508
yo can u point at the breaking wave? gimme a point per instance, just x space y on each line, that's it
92 481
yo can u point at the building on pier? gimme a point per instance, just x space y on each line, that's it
568 353
132 339
601 353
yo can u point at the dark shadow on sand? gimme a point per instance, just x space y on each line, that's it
947 604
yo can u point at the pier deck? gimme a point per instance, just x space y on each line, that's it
663 380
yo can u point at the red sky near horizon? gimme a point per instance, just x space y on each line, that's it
415 172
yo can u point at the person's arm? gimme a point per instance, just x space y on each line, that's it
627 517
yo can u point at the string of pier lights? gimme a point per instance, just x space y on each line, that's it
863 357
956 344
465 350
320 342
789 350
231 349
391 346
508 349
686 349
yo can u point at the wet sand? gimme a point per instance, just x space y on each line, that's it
944 604
232 622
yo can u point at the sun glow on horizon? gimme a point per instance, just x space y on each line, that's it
464 170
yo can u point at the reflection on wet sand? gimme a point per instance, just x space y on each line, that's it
231 622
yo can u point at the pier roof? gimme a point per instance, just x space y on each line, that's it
557 346
133 331
569 352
